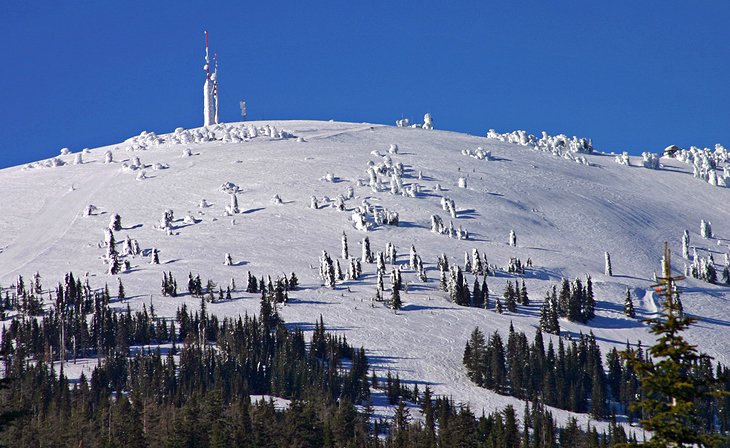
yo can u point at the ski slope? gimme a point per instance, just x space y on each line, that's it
565 215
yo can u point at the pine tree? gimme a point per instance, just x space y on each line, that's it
608 270
669 388
629 305
395 301
345 251
120 291
510 297
524 298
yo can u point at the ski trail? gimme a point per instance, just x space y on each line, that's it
650 303
55 217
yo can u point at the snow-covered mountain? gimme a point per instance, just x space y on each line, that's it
565 216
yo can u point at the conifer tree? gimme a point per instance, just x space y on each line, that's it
395 302
498 306
345 250
510 297
629 305
670 388
608 270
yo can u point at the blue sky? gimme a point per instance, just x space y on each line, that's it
634 76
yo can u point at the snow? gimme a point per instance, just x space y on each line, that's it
567 215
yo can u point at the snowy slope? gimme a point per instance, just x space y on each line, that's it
565 215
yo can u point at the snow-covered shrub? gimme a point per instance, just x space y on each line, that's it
227 260
65 151
160 166
108 157
393 149
313 203
78 159
142 175
187 152
230 188
623 159
462 182
203 203
402 123
276 199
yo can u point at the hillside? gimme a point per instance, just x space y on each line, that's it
565 216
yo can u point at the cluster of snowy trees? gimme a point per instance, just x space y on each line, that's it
479 153
559 145
437 226
130 247
427 123
706 163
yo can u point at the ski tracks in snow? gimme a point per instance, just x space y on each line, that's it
54 219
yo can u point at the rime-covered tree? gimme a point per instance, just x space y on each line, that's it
345 250
227 260
115 222
512 238
608 270
685 245
705 229
367 254
155 258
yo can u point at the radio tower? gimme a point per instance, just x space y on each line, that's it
210 115
215 85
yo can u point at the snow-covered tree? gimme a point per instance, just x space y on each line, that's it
608 271
227 260
108 157
705 229
427 121
367 254
345 251
111 251
685 245
327 270
233 208
477 268
115 223
413 258
114 265
155 256
437 224
78 159
512 238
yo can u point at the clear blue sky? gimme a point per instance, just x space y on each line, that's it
632 75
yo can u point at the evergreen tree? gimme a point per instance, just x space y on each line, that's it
629 305
608 270
395 301
510 299
670 389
